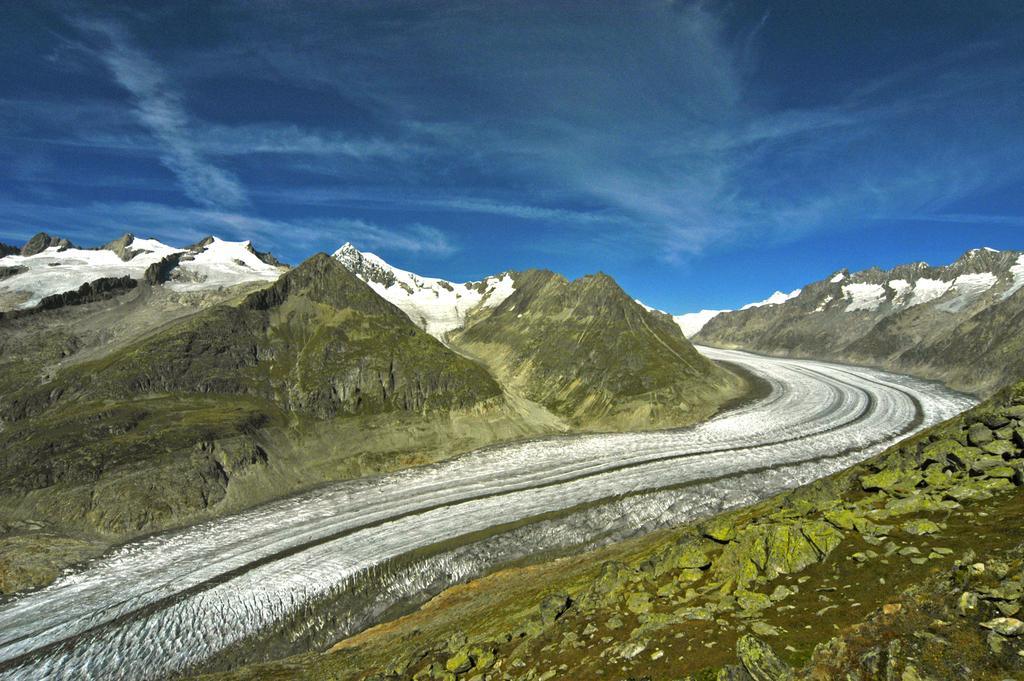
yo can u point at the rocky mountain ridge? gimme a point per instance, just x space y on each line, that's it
583 349
631 366
952 323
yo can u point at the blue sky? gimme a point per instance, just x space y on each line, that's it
704 154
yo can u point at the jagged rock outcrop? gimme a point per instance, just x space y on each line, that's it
41 241
6 249
89 292
6 272
122 246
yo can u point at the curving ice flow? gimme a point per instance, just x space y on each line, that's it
173 602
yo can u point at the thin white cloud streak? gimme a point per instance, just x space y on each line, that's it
331 196
100 126
161 109
966 219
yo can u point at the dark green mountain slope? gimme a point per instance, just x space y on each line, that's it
588 352
235 404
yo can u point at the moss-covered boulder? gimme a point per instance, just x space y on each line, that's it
920 526
720 531
888 480
760 661
774 549
553 606
979 434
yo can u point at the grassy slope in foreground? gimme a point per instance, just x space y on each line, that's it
908 566
590 354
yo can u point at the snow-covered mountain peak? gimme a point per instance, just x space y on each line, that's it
369 266
692 322
50 266
777 298
435 305
215 263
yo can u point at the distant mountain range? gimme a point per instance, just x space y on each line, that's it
959 323
47 266
143 386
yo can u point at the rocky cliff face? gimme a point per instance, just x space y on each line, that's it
953 323
587 351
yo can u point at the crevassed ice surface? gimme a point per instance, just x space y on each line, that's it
927 290
968 288
174 601
1017 270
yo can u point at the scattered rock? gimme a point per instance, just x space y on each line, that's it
979 434
887 480
764 629
1002 448
721 532
459 663
920 526
760 661
639 602
553 606
967 603
629 649
1005 626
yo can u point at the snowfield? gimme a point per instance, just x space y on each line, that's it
171 602
692 322
435 305
53 271
220 264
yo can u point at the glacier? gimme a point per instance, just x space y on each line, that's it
259 584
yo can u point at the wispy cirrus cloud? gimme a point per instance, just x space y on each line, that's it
160 108
654 129
968 219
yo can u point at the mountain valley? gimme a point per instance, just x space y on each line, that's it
213 378
347 408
